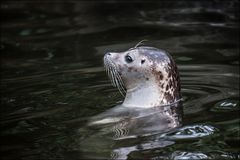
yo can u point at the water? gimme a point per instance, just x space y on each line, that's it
52 77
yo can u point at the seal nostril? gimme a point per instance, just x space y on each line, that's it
109 54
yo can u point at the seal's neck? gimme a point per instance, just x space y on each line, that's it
145 95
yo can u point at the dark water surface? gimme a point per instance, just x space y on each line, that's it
52 77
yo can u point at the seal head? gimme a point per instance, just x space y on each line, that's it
148 75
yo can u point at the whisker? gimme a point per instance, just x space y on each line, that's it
110 74
114 76
107 69
106 65
116 80
120 82
139 43
118 85
119 79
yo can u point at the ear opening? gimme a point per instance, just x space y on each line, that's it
143 61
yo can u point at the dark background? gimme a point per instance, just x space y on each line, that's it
52 74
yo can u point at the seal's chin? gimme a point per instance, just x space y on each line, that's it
114 74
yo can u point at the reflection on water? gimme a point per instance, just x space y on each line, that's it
52 78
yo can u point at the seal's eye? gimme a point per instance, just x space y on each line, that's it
128 59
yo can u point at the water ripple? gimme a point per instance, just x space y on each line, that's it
190 132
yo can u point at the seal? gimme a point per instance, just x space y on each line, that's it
148 75
150 79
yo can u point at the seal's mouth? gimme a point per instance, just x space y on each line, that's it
114 75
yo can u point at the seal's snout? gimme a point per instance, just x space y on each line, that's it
108 55
111 56
113 72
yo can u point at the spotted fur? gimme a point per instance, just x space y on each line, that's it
165 71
